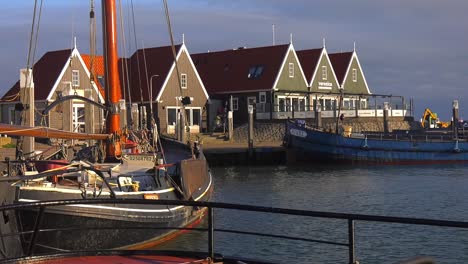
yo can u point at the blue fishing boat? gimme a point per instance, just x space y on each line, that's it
403 147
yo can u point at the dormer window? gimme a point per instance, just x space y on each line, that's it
354 75
255 72
291 70
101 80
75 78
183 81
324 72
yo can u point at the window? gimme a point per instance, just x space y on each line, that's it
171 116
196 117
291 70
192 116
235 103
255 72
101 80
183 81
262 97
76 78
324 72
354 75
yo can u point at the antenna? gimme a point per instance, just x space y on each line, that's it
354 48
323 41
183 38
74 42
290 38
273 29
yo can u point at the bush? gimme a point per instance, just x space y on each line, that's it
9 145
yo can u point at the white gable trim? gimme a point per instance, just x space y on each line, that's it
359 65
74 53
278 76
57 82
181 50
324 53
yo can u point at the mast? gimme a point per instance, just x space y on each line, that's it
112 83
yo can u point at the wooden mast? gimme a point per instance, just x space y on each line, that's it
112 83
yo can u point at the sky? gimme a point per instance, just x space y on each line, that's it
413 48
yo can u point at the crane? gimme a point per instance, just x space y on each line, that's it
432 120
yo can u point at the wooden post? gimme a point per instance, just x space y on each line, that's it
27 100
89 114
123 113
385 118
135 116
181 126
318 114
455 118
230 125
251 130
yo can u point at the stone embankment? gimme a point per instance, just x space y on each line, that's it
274 131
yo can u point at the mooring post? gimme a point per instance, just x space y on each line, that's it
230 126
27 100
251 130
318 115
385 118
455 118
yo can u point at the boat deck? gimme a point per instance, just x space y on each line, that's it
130 259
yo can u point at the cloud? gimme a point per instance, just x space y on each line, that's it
412 48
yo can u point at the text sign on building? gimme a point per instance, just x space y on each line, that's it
325 85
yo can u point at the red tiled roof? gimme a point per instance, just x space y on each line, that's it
340 62
309 60
98 69
158 62
46 71
227 71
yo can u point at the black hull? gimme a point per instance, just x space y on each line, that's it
87 233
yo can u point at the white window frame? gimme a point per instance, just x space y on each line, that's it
288 103
235 103
183 80
324 73
354 75
291 70
75 117
171 127
75 78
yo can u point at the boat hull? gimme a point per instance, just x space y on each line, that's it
324 146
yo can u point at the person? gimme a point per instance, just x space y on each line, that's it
341 117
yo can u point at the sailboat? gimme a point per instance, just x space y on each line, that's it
170 170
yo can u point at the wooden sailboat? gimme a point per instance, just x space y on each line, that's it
172 171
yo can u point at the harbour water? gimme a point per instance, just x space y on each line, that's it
429 191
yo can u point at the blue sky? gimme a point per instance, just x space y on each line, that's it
414 48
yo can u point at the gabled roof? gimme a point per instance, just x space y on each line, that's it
159 61
340 62
228 71
309 60
46 72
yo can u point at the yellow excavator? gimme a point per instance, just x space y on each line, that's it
430 120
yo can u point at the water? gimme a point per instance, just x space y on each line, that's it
436 192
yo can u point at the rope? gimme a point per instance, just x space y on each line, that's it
169 27
136 48
15 96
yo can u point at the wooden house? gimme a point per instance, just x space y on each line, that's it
154 79
269 78
56 74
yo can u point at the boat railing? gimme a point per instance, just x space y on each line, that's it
351 219
412 137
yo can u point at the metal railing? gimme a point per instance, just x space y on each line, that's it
211 206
